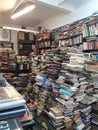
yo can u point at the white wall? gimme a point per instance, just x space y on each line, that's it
14 40
79 13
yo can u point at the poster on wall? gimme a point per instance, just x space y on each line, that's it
5 35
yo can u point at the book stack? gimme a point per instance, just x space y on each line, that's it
93 78
95 116
12 103
78 124
2 81
10 124
23 64
57 117
18 81
26 119
35 63
64 90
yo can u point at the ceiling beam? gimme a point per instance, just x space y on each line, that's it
57 4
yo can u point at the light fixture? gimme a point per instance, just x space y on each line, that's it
20 29
23 8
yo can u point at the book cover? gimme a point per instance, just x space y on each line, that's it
56 111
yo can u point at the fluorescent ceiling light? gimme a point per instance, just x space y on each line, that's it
20 29
23 9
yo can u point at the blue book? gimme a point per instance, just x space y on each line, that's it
64 91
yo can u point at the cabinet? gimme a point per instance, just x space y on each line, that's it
25 42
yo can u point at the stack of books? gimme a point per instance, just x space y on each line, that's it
95 116
10 124
64 90
78 124
12 103
18 81
26 119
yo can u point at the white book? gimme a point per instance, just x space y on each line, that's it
12 104
12 111
56 117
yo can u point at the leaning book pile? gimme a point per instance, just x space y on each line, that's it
65 91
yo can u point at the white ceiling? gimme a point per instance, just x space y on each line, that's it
45 9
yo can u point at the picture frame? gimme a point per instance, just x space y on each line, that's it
5 35
21 35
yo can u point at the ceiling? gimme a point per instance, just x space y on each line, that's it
45 9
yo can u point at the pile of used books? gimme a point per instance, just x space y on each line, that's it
12 103
10 124
18 81
26 119
65 92
95 116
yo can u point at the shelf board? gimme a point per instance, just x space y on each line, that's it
24 42
44 40
93 50
93 36
75 44
45 47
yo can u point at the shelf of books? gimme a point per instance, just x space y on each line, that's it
45 41
70 34
65 90
90 36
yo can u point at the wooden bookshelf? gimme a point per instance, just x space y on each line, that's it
25 42
45 42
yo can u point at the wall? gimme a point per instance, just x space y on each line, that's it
79 13
14 40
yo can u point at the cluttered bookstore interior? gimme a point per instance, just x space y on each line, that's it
48 65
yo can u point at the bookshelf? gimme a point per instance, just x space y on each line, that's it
25 43
90 36
45 42
70 34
